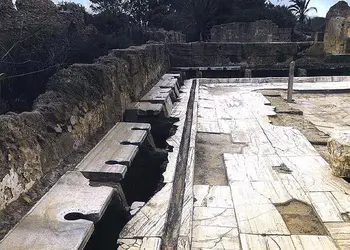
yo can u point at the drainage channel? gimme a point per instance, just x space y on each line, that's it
142 181
173 221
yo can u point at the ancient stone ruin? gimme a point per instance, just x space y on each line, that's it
337 34
258 31
175 145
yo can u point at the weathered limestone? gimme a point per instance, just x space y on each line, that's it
225 54
339 149
337 34
259 31
80 101
163 36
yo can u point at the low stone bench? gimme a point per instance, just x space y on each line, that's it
165 92
170 81
110 158
63 219
156 107
158 102
339 150
160 96
141 111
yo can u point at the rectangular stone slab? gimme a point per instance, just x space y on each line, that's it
45 226
144 109
172 85
110 158
168 80
158 95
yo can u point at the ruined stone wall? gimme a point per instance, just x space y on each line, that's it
337 34
259 31
224 54
34 16
164 36
79 101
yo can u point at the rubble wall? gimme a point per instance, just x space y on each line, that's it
79 101
224 54
243 32
164 36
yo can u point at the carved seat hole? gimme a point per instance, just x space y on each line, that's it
76 216
130 143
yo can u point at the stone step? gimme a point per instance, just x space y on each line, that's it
111 157
63 219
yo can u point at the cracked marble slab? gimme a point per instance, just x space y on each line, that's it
140 244
169 173
207 114
205 126
250 132
289 141
294 188
150 220
268 242
241 167
314 175
275 191
217 217
188 200
326 206
340 232
212 196
260 219
205 237
306 242
243 193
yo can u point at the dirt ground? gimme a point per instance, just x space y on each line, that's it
300 218
210 168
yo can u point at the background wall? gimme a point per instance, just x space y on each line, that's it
224 54
258 31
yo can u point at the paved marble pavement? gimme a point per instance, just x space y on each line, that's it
274 167
243 214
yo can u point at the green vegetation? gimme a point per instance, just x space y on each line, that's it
34 49
195 18
300 9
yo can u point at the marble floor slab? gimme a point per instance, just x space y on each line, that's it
212 196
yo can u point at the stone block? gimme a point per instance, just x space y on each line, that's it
337 33
339 150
